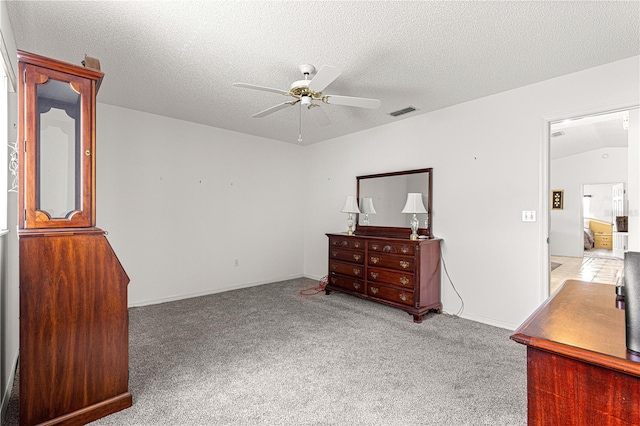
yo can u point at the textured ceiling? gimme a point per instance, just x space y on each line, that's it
179 59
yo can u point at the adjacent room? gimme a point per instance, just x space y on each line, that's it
320 212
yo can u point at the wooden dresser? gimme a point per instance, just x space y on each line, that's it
578 369
397 272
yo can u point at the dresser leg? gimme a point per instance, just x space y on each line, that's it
417 318
327 291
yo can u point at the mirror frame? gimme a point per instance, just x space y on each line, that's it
392 231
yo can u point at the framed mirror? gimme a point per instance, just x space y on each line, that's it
382 198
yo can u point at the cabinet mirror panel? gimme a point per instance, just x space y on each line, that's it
58 186
382 197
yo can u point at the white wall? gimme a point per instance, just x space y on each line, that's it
569 174
487 159
183 201
601 200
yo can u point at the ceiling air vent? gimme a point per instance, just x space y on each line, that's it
556 134
406 110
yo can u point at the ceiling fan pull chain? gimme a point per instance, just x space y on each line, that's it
300 124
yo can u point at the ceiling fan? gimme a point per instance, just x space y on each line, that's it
308 92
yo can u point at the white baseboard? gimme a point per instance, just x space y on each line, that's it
314 277
490 321
8 387
208 292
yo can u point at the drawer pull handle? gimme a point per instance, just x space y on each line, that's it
334 253
356 271
334 267
374 247
344 243
356 285
404 264
375 275
357 257
404 249
404 280
375 260
374 290
403 297
356 244
334 280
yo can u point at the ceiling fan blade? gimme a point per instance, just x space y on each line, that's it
264 89
323 78
351 101
274 109
318 115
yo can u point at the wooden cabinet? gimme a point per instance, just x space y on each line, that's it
73 290
397 272
579 371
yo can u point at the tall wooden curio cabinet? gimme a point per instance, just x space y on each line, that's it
74 351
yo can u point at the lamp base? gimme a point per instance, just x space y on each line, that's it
414 237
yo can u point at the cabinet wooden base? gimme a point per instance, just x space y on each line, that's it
93 412
564 391
74 353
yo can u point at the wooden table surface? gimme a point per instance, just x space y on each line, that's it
581 321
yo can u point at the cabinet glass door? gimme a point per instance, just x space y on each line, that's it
58 184
59 149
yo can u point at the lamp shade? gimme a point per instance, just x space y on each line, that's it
414 203
350 205
367 205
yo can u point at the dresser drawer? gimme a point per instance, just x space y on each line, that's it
604 241
603 244
343 268
346 255
391 294
393 262
392 248
346 283
403 279
346 242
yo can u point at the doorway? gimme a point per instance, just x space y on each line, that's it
587 156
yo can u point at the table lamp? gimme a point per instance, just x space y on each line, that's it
414 206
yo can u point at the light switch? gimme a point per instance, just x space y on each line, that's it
528 215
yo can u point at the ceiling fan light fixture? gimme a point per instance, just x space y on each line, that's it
305 100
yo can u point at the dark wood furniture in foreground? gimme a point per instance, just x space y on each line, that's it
394 271
74 338
578 369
